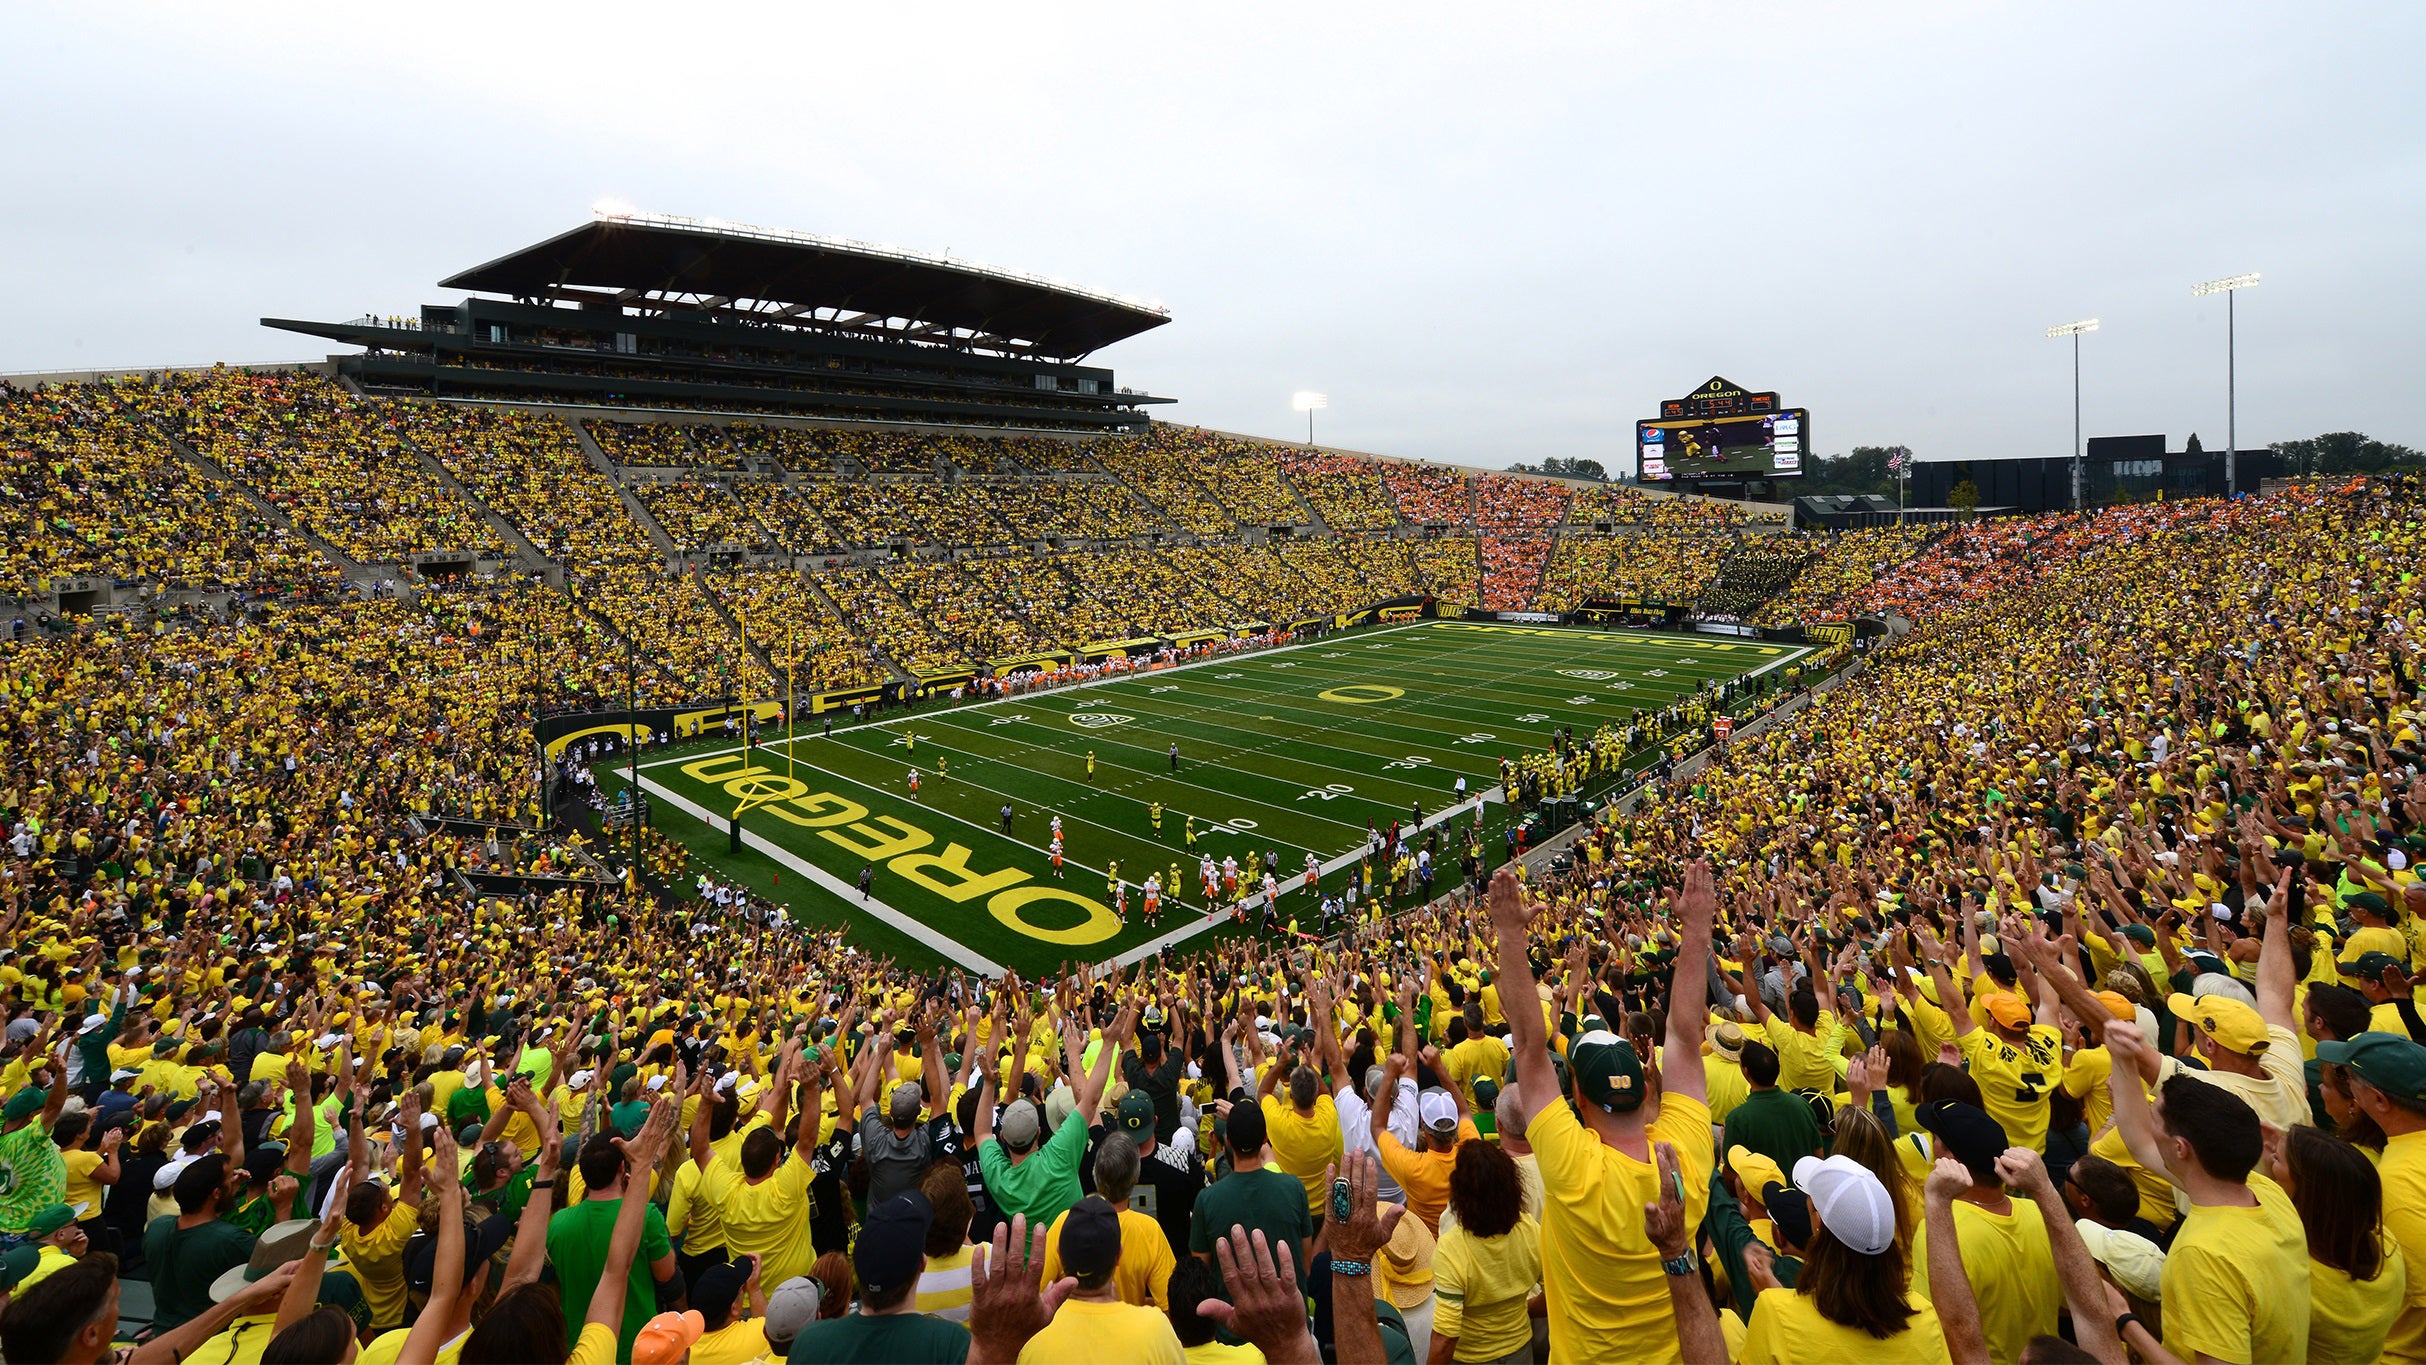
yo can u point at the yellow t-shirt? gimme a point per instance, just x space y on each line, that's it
695 1212
2236 1280
2014 1079
2085 1080
2404 1173
2011 1265
384 1349
1305 1144
1607 1293
241 1342
1084 1331
1143 1276
770 1220
2347 1320
83 1192
2279 1093
595 1346
735 1343
1480 1288
377 1260
1217 1353
1805 1061
2156 1192
1787 1329
1726 1085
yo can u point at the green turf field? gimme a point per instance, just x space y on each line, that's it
1296 748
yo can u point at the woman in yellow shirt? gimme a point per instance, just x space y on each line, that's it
2357 1278
1488 1261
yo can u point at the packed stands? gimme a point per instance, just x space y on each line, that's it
1654 567
788 511
1429 495
1348 493
1507 502
794 624
1450 568
2138 793
1163 471
1071 509
1616 503
91 488
341 466
699 514
531 469
1512 570
1853 561
1754 570
908 637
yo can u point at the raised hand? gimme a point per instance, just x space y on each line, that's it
1006 1306
1664 1220
1357 1224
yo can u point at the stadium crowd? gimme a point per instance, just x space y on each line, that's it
2043 991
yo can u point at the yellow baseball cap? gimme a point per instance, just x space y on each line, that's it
2224 1021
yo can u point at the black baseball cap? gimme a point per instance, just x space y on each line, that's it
1090 1238
894 1243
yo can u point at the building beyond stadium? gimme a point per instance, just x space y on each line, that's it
640 310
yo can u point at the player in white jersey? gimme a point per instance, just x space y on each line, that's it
1211 876
1152 893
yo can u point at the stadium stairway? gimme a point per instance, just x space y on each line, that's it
1306 508
526 554
353 569
631 501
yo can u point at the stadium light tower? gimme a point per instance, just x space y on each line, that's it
2228 287
1309 404
2080 493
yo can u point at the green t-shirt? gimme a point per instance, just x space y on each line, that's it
1265 1199
469 1104
577 1247
892 1339
33 1175
1045 1186
184 1262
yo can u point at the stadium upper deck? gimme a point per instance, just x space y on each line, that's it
650 311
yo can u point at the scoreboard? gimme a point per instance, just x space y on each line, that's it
1722 431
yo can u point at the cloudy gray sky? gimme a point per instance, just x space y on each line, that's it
1490 233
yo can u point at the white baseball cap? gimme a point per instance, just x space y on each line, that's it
1437 1111
1851 1203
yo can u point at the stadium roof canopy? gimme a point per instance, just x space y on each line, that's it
728 271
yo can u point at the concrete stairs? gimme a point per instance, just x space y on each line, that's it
526 554
353 569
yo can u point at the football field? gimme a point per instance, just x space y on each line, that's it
1299 749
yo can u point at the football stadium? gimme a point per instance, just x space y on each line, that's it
696 791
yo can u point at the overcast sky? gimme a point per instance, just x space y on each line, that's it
1489 233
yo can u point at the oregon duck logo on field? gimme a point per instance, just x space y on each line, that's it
1587 674
1097 720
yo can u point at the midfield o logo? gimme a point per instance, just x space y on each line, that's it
1098 720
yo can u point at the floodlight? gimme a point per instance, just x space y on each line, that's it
2073 329
1308 402
2223 286
612 207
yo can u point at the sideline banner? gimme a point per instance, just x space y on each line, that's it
1038 662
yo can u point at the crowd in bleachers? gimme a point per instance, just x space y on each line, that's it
1346 492
1671 567
788 619
91 488
1429 495
1852 562
1616 503
531 469
2047 990
1507 502
342 466
1754 570
1512 567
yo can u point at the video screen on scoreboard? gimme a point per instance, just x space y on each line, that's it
1768 446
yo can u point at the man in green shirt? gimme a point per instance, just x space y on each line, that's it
33 1175
1776 1123
1042 1181
577 1246
890 1256
192 1247
1252 1196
